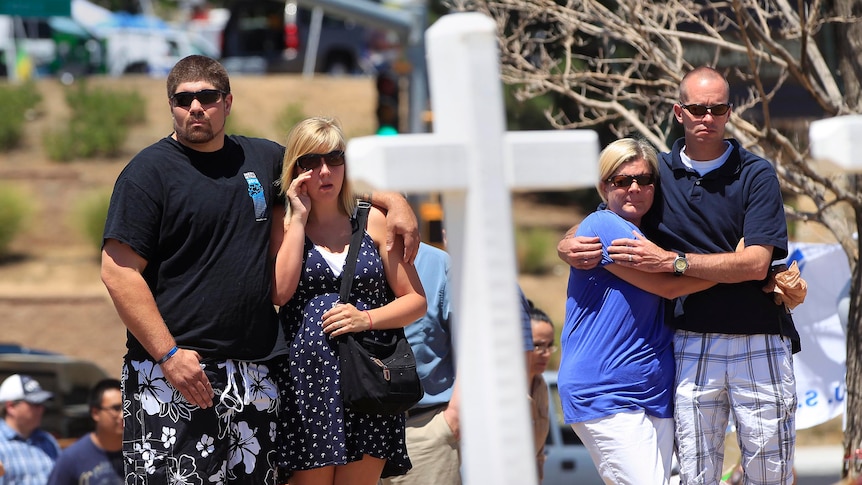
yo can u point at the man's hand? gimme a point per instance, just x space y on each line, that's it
641 253
183 371
401 222
450 414
580 252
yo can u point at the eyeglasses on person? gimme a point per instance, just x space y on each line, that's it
115 408
542 349
627 180
702 109
205 96
313 160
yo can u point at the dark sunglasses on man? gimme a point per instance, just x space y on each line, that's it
627 180
701 109
313 160
204 96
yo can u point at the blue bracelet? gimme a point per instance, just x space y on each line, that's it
167 356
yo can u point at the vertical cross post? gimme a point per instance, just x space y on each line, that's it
472 161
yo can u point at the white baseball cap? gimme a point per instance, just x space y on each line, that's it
19 387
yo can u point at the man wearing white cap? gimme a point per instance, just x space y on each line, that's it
27 452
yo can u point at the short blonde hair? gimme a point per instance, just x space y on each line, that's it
316 135
623 151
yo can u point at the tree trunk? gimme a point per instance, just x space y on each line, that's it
853 412
849 47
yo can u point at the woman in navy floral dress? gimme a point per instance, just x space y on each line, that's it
321 442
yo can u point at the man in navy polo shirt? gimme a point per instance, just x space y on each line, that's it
729 348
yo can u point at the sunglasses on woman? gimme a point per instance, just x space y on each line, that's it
627 180
313 160
205 96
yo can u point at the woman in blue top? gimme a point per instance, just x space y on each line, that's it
617 365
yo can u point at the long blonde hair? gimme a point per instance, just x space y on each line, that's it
316 135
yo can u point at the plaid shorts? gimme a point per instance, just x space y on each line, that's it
750 376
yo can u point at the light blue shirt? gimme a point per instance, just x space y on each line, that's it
431 337
27 461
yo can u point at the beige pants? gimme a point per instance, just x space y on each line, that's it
433 451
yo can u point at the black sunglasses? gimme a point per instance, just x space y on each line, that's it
205 96
701 110
626 180
313 160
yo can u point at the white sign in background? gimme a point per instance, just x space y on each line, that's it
820 367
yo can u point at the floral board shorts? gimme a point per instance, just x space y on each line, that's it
167 440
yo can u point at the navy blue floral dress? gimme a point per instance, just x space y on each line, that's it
315 428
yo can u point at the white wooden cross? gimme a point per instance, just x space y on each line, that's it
474 164
838 139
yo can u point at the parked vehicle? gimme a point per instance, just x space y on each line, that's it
114 44
70 379
272 36
568 460
137 44
53 45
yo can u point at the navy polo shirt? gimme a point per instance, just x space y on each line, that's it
710 214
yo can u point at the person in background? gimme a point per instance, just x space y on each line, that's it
432 427
187 262
27 452
96 458
543 348
715 196
616 371
322 441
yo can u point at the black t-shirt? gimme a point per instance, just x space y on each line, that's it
202 221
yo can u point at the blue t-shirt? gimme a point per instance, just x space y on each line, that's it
526 321
85 463
431 337
617 353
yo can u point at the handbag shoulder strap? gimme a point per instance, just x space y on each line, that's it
361 221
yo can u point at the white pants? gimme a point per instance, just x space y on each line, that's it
630 447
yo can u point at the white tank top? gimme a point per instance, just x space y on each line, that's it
334 260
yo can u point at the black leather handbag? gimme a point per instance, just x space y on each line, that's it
378 376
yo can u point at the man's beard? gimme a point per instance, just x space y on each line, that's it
196 134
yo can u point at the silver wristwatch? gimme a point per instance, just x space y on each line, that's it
680 264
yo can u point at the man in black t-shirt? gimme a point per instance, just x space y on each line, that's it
187 261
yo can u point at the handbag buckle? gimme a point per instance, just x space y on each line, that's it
382 366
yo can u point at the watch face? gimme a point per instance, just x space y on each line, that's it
680 264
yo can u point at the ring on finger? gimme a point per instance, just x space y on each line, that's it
630 258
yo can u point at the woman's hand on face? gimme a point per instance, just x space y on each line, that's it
297 196
344 318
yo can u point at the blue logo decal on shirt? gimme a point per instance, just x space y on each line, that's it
255 191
